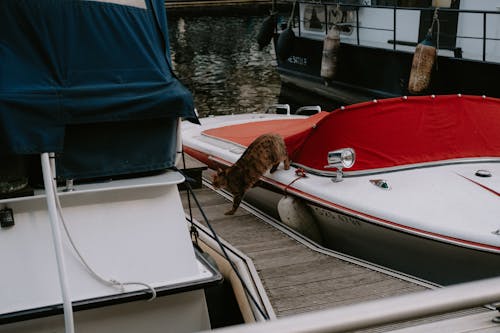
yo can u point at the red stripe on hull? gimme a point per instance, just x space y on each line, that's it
327 204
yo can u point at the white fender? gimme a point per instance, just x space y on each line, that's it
421 67
296 214
331 46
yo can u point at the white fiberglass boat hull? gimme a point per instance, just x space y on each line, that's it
440 223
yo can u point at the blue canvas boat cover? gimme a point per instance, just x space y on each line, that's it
66 63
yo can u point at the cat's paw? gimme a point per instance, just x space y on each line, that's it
229 212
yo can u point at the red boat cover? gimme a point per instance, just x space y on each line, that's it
386 133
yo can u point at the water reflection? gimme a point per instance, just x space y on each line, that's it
218 59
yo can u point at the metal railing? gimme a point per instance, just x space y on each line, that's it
385 311
356 7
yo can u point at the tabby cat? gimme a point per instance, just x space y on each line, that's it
264 153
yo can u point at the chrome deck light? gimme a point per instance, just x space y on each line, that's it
339 159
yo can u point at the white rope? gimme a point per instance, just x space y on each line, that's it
337 14
110 282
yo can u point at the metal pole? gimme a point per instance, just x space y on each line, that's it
57 240
484 36
384 311
357 24
394 29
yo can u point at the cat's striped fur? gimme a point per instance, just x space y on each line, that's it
264 153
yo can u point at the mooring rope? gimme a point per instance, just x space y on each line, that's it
222 247
300 173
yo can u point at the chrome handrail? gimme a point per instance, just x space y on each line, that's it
274 107
384 311
308 109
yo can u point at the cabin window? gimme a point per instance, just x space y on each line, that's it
343 17
314 17
448 20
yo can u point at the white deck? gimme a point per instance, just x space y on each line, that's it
129 230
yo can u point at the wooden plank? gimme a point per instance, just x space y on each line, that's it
318 270
217 218
205 198
320 303
254 246
332 297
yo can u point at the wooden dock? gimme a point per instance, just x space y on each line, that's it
297 278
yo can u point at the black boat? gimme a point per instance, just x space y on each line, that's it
356 50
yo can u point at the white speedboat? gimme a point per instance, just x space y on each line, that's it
412 183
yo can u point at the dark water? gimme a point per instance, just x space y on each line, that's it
217 58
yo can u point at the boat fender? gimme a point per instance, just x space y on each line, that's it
229 274
421 67
285 43
331 46
266 31
297 215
